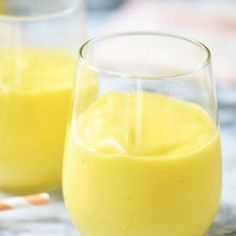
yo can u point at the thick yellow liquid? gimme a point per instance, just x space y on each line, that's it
2 6
35 91
142 165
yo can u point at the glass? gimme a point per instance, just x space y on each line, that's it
143 146
38 47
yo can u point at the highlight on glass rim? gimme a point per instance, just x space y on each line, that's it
117 118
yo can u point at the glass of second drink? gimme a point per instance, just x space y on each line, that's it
39 42
143 146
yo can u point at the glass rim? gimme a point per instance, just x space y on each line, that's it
44 16
97 69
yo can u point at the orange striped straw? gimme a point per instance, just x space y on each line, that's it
24 202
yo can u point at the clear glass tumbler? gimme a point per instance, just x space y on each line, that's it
39 43
143 150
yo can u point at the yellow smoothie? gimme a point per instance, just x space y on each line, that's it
142 165
3 7
35 91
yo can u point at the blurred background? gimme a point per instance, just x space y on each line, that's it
210 21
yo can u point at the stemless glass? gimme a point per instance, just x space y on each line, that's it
143 152
38 45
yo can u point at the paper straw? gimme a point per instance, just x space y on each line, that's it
24 201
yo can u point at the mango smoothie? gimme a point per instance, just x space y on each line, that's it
35 91
2 6
142 165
